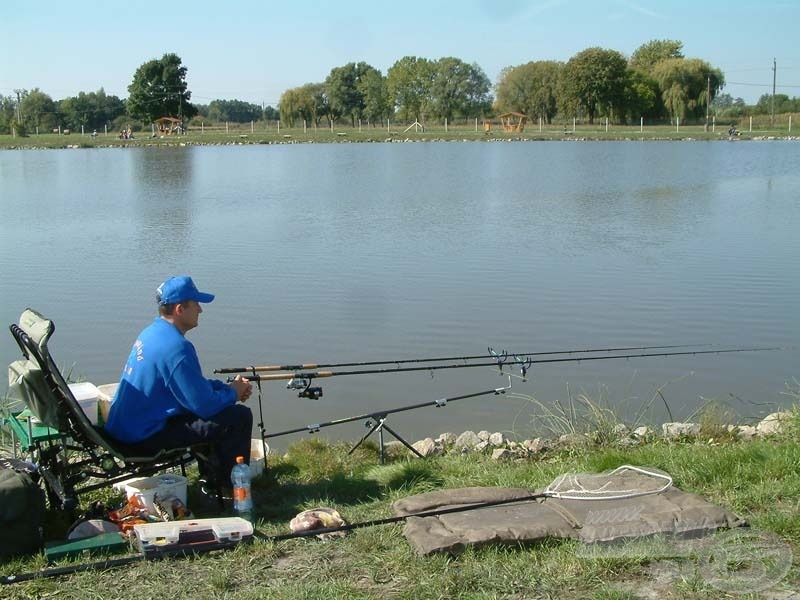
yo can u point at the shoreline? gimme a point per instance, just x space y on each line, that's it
59 143
503 447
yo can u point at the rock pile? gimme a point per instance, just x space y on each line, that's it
503 448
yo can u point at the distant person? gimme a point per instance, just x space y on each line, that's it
164 401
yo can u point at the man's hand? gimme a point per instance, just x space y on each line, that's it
243 388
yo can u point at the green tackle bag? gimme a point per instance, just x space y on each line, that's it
22 509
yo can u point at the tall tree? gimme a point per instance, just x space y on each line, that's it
8 108
531 89
37 110
342 93
685 85
648 55
75 111
271 114
109 107
594 80
345 87
375 92
782 104
159 89
642 98
317 104
409 81
93 110
459 89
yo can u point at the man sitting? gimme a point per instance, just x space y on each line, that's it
163 400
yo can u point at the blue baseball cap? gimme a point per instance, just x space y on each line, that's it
180 289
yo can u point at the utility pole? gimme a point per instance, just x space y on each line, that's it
19 111
708 99
774 74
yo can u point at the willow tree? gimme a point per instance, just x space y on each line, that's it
531 89
307 103
688 86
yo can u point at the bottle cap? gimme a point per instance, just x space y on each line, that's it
239 459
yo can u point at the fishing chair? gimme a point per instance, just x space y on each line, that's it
73 455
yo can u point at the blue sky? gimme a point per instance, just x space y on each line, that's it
255 49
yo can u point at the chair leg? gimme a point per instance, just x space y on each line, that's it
220 499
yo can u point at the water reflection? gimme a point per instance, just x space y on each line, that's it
163 204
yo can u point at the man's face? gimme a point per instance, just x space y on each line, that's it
188 314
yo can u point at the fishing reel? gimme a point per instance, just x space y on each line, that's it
524 363
304 385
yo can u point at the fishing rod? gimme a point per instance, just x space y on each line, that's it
491 354
302 379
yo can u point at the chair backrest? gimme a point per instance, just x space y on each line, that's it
37 381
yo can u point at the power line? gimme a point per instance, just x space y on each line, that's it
764 85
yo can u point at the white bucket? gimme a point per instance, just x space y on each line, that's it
257 458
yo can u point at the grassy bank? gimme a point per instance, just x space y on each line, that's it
759 480
244 134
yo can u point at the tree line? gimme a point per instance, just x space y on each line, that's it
657 82
414 89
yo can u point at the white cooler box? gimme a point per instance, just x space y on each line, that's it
167 484
87 396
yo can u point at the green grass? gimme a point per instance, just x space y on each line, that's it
759 480
261 134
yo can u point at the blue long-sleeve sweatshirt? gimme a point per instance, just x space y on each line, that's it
162 378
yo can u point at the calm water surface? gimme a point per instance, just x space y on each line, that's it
333 253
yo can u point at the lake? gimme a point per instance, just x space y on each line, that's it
334 253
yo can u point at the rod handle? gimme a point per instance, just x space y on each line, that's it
299 375
266 368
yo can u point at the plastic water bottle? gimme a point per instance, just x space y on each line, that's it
242 498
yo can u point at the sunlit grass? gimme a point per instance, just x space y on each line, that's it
759 480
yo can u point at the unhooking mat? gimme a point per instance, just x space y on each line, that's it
635 513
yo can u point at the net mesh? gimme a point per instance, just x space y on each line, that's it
625 481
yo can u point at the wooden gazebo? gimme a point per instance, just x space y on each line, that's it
167 125
513 122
